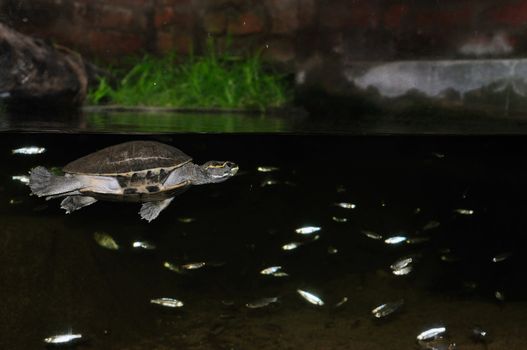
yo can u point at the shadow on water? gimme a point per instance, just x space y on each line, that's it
57 279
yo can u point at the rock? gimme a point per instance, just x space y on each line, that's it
33 72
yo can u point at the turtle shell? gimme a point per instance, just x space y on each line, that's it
128 157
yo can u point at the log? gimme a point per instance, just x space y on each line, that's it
35 73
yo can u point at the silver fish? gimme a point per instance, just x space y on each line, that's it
173 267
342 302
292 245
332 250
267 169
270 270
403 271
269 182
395 239
346 205
310 297
22 178
307 230
479 334
499 295
29 150
402 263
372 235
387 309
280 274
143 245
417 240
431 225
62 339
105 240
261 303
463 211
501 257
186 220
167 302
432 333
193 266
338 219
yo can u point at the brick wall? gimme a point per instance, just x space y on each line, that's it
287 31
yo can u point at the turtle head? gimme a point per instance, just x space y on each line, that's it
218 171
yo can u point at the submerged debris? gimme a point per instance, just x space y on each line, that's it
387 309
261 303
310 297
63 339
105 240
267 169
29 150
307 230
167 302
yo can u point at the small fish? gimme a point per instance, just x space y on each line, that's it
22 178
499 295
439 155
143 245
267 169
372 235
342 302
403 271
172 267
501 257
346 205
167 302
270 270
401 263
480 335
261 303
193 266
332 250
387 309
29 150
310 297
280 274
307 230
186 220
462 211
63 339
417 240
431 225
105 240
292 245
340 220
395 240
270 182
432 333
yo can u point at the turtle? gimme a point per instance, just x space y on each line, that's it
148 172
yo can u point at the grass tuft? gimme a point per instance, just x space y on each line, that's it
209 81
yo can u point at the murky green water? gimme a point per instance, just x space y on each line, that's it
56 278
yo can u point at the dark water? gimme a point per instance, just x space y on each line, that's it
56 279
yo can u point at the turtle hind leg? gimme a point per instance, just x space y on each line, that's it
44 183
72 203
150 210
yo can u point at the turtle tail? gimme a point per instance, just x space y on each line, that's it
43 183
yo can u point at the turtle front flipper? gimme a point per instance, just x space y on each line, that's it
44 183
150 210
72 203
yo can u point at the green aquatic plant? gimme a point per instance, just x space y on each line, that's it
209 81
